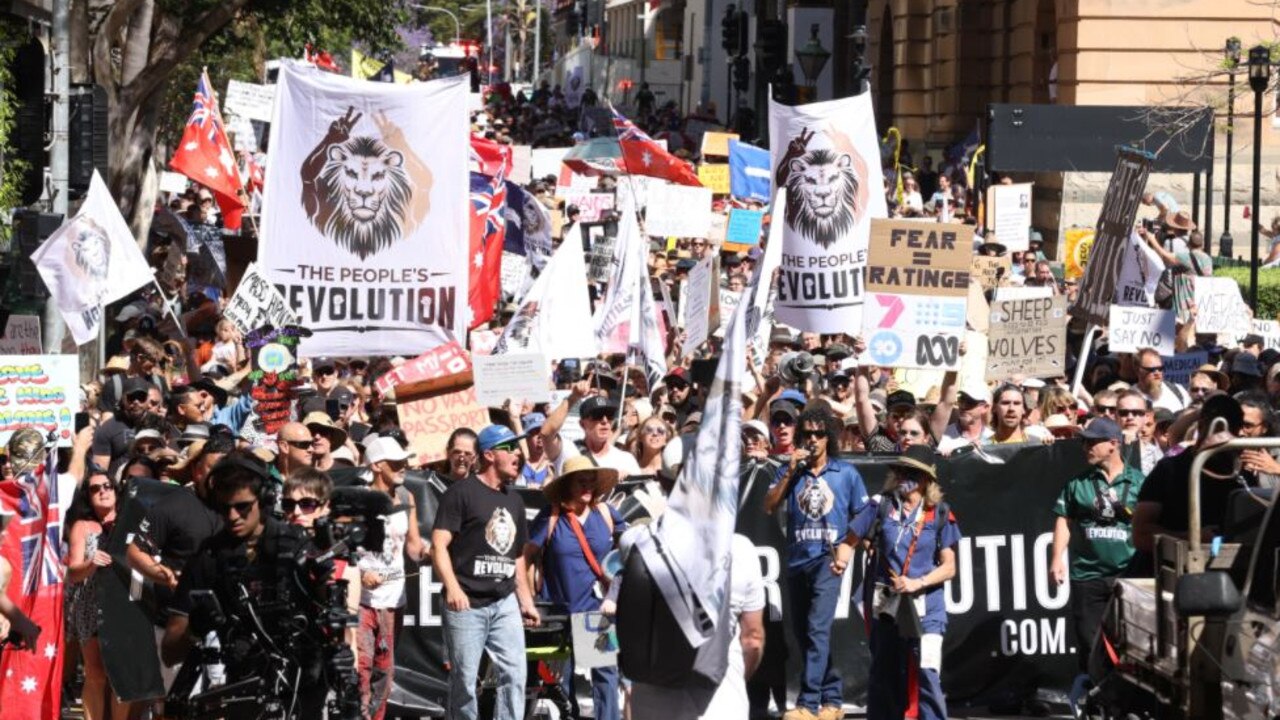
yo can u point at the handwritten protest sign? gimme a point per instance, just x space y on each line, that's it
1179 368
1027 338
21 336
249 100
1009 214
257 303
744 227
1218 304
515 376
679 211
717 143
697 316
1132 328
1023 292
1268 330
1079 243
428 422
440 368
715 177
987 270
595 638
172 182
39 391
591 205
569 181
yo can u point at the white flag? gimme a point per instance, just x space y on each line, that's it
554 318
827 157
629 319
689 552
91 261
760 296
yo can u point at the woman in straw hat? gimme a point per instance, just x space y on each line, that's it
571 536
911 536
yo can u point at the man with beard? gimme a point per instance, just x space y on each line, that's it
680 393
476 545
112 438
382 597
1008 415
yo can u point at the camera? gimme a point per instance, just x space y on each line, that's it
795 367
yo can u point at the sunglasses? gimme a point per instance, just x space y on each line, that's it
599 415
95 488
912 433
815 434
1105 409
655 431
300 444
326 371
242 509
506 447
781 419
139 397
1130 413
1153 369
307 505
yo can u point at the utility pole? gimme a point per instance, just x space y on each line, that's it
59 159
537 42
704 53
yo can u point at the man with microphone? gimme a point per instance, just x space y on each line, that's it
823 495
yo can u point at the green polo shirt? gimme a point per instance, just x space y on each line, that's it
1099 550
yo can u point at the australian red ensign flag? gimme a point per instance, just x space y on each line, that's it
644 156
205 155
31 678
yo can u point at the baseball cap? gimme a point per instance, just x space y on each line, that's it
792 396
1102 428
595 404
900 397
495 435
679 373
782 406
757 427
133 385
977 391
532 421
386 449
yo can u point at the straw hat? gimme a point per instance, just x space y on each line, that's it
1219 377
320 422
558 488
919 458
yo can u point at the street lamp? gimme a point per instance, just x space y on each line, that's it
457 27
1232 51
812 57
1259 79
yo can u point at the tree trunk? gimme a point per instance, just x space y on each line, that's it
138 49
79 49
133 139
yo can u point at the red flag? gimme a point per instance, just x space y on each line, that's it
205 155
254 177
488 230
643 156
490 158
322 59
31 680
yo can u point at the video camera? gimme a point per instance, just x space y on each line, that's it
280 622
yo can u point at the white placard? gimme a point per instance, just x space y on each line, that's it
256 302
679 211
21 336
595 640
1269 330
516 376
914 331
521 164
1139 275
1132 328
546 161
1022 292
591 205
698 304
1219 306
249 100
1011 215
172 182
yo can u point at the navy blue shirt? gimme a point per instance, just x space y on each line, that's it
819 510
896 537
568 576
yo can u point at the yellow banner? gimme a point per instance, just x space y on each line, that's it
364 67
1079 243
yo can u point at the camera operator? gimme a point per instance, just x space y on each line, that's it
241 567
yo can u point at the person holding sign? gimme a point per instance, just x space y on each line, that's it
911 536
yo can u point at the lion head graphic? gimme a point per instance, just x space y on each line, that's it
500 531
816 500
822 196
89 254
518 330
368 188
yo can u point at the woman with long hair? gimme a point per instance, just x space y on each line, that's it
92 516
911 536
913 429
647 442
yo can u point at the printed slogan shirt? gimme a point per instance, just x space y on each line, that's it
819 510
489 532
1099 549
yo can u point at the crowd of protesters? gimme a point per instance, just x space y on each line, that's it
171 404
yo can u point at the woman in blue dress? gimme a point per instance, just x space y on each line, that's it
910 535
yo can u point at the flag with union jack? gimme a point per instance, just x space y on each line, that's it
31 678
643 156
488 231
205 155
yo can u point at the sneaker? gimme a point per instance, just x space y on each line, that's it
1079 689
831 712
799 713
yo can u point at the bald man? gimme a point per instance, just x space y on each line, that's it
293 448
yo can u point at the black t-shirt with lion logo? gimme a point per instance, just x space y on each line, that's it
489 531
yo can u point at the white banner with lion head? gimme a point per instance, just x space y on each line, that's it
365 212
90 262
827 157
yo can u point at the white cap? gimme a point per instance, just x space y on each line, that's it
344 453
1033 383
384 449
758 426
977 390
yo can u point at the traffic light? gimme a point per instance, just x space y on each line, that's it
744 32
741 73
88 147
30 118
729 30
771 46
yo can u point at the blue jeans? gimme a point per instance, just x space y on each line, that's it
815 590
897 680
498 629
604 691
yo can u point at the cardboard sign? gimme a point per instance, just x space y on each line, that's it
249 100
1023 292
1179 368
1079 243
1009 214
521 164
717 143
679 211
1218 304
592 205
978 311
715 177
39 391
914 331
744 227
907 256
441 368
1269 330
1115 222
1027 338
428 422
595 640
697 306
517 376
1132 328
21 336
987 271
257 302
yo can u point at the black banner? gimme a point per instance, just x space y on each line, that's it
1115 225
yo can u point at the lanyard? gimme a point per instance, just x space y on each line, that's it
927 517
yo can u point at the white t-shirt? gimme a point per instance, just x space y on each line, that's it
614 458
952 440
746 594
1173 399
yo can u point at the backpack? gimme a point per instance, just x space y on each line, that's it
540 579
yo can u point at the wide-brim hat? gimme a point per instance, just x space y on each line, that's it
1181 220
320 422
1219 378
919 458
181 469
558 488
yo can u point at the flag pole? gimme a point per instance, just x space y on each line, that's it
622 393
176 321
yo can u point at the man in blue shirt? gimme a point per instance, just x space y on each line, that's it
823 495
